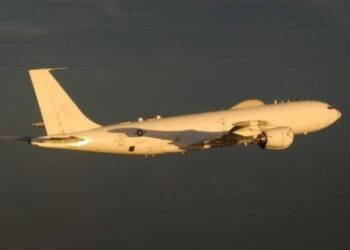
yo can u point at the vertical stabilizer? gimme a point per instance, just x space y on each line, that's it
60 114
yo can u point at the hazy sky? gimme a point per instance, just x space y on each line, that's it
137 58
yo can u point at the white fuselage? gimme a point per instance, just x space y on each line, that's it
177 134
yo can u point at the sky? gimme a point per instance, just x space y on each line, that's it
140 58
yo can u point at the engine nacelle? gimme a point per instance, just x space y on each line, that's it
276 138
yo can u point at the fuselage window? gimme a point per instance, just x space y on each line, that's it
131 148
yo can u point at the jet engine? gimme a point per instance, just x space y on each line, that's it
276 138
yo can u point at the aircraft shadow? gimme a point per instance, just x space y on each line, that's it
183 139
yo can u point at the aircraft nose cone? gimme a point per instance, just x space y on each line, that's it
338 114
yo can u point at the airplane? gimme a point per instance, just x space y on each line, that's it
270 126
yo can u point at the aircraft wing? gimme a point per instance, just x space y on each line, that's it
241 133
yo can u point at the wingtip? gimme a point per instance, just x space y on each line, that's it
48 69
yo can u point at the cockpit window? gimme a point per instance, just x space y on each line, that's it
330 107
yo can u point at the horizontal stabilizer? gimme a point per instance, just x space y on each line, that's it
38 125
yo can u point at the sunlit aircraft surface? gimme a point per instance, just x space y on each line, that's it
271 126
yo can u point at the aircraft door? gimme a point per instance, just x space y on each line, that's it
121 140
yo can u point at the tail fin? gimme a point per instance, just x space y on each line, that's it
59 112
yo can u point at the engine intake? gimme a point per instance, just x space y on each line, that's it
276 138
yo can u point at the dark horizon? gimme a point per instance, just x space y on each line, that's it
130 59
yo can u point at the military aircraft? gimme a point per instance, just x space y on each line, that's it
270 126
